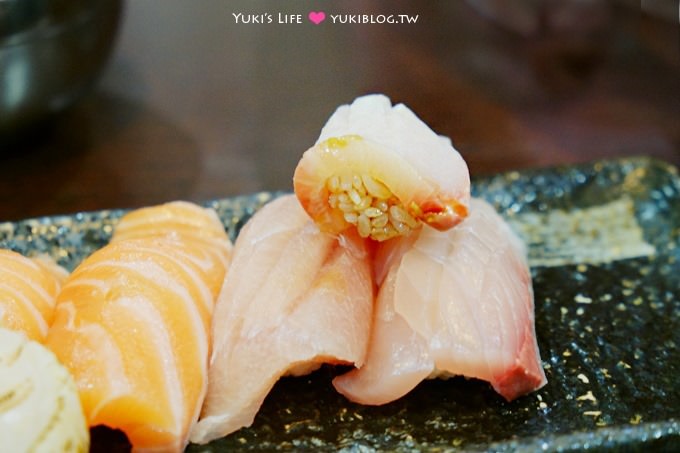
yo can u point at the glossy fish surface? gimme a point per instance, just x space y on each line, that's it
451 303
295 298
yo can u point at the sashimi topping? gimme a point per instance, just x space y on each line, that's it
294 298
132 323
28 289
458 302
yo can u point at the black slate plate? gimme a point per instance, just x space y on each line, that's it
603 246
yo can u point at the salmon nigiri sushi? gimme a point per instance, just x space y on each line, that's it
132 325
28 289
451 303
185 221
173 219
379 169
294 298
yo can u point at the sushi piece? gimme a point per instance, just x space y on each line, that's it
295 298
39 406
28 289
379 169
451 303
186 222
173 219
132 324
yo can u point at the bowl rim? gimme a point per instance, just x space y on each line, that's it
47 28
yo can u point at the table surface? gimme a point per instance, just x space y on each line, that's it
195 106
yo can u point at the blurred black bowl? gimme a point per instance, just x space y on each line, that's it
51 53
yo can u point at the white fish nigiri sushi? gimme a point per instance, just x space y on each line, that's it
378 168
451 303
132 323
294 298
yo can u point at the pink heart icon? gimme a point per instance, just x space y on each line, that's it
316 17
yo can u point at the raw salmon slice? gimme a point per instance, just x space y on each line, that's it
378 168
173 219
294 298
185 221
28 289
451 303
132 325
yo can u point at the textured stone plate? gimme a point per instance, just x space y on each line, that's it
603 246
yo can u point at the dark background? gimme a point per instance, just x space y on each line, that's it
194 106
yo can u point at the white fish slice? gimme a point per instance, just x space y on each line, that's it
451 303
294 298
